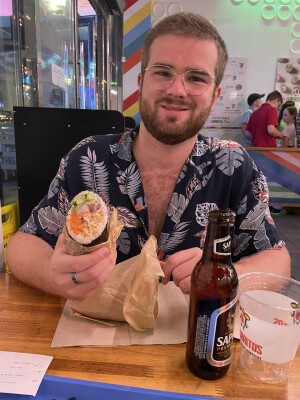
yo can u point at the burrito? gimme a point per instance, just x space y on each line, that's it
87 218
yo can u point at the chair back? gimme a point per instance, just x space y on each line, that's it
43 136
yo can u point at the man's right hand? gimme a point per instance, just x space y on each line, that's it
92 270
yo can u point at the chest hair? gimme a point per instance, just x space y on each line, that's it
158 188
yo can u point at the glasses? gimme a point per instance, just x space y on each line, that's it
195 82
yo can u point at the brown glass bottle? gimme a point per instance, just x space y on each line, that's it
214 285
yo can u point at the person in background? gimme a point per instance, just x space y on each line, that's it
162 178
262 125
289 132
281 123
254 102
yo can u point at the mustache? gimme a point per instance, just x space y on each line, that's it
174 102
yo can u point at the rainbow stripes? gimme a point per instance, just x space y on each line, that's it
137 22
282 170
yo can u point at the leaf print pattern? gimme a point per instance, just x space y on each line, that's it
202 211
242 206
130 181
105 164
94 174
123 148
53 188
255 217
51 220
227 161
199 149
260 189
177 206
30 226
130 220
176 237
61 170
242 242
63 202
261 241
193 185
123 242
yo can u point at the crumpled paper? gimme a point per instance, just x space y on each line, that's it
129 294
114 227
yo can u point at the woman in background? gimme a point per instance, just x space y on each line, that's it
289 132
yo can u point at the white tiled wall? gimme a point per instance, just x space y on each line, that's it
247 33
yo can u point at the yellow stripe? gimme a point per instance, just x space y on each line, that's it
137 18
132 110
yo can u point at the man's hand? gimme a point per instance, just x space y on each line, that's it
180 265
92 270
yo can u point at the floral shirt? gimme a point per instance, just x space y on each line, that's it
218 174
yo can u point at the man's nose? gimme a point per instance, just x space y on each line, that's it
177 87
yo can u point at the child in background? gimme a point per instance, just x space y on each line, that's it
289 132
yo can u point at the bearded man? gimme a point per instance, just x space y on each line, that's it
163 178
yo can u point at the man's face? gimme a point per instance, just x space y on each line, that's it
257 103
172 116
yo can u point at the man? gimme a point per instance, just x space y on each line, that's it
262 126
254 102
163 180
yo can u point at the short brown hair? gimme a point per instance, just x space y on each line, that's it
275 95
190 25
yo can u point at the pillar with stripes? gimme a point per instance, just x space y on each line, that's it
137 22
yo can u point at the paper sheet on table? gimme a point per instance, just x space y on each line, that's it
170 327
22 373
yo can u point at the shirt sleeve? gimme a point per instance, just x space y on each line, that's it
246 117
254 227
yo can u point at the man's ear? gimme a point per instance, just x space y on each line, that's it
139 79
215 97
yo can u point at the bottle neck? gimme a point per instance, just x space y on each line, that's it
217 244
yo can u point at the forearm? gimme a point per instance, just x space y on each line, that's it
29 258
272 131
275 261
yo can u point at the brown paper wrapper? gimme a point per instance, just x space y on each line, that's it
129 294
114 227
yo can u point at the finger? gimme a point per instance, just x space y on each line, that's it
188 257
99 271
185 285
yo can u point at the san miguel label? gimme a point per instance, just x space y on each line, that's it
222 246
214 333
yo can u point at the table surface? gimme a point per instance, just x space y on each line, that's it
28 320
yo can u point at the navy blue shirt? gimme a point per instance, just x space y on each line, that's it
218 174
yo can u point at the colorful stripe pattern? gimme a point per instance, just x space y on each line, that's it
282 170
137 22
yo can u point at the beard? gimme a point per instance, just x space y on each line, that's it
169 131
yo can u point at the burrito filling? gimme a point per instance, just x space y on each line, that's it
87 217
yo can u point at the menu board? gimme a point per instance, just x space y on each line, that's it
229 108
288 79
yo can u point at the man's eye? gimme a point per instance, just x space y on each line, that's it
163 73
197 78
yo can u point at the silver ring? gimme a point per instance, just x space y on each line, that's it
74 278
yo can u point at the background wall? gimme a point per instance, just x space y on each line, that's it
261 30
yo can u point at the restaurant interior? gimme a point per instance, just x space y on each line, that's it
74 63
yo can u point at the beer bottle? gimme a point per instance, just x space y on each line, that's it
214 285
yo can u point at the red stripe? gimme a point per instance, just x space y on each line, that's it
281 161
133 98
129 3
132 61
